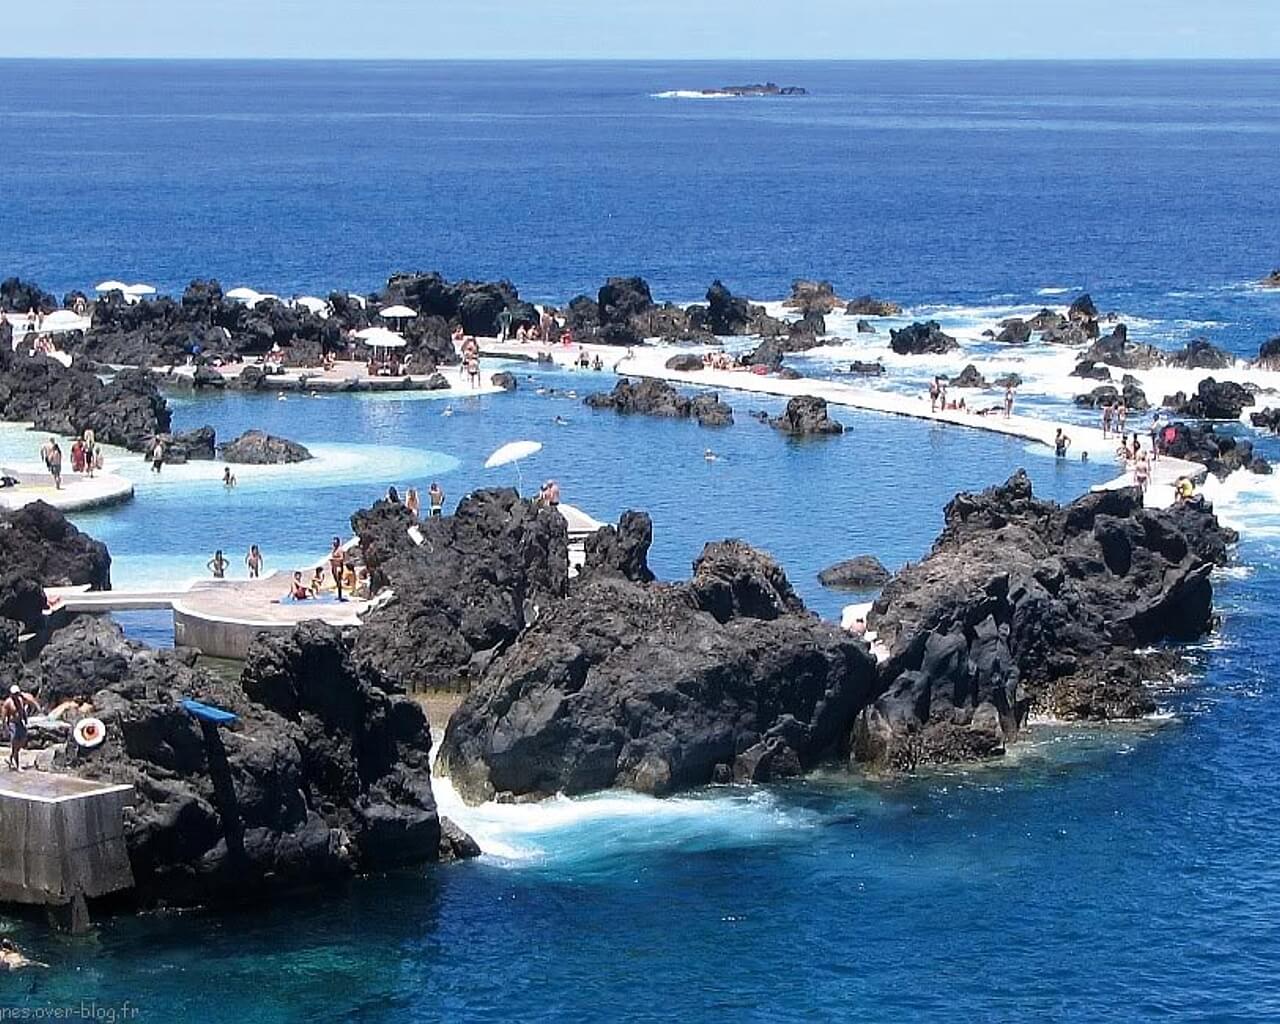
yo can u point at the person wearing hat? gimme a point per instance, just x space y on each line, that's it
14 713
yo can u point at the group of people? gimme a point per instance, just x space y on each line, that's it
435 499
218 564
86 457
348 579
1114 415
938 401
585 362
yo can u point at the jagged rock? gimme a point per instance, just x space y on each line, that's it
812 297
653 397
208 377
657 688
1272 280
865 305
969 377
1267 419
324 773
1068 334
40 548
1213 400
1200 355
1220 453
622 550
504 380
863 572
1047 320
478 578
922 339
19 296
198 444
806 415
1009 380
1082 309
709 411
867 369
1023 603
1090 370
1269 354
1014 331
1117 350
862 327
257 448
127 411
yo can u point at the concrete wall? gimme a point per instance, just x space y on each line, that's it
220 638
50 849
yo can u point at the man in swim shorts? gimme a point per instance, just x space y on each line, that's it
1060 444
14 713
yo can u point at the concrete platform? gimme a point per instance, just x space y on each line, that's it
78 492
221 618
61 836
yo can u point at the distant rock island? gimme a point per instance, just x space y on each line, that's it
767 89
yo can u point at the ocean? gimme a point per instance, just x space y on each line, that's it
1094 874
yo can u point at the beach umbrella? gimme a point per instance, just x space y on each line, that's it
399 313
62 320
138 290
312 304
359 300
512 453
110 286
243 295
380 337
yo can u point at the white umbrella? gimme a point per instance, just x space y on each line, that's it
359 300
111 286
139 289
399 313
513 451
243 295
62 320
312 304
380 337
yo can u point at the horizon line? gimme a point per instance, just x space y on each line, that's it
352 59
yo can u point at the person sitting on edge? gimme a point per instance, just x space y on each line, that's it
297 589
435 495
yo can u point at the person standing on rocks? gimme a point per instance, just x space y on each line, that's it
412 502
337 564
14 713
435 495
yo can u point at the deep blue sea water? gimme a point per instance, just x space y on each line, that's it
1095 875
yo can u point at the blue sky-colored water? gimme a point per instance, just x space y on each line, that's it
1095 875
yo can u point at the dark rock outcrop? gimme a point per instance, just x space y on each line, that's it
1014 331
504 380
127 411
862 572
686 362
1090 370
862 327
191 445
657 688
1201 355
865 305
257 448
1221 454
1269 354
478 578
969 377
623 549
1023 603
323 775
1117 350
1267 419
866 369
812 297
19 296
922 339
40 548
806 416
653 397
1213 400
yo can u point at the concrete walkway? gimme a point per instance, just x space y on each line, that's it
78 492
650 361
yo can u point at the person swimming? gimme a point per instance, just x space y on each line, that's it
710 456
13 959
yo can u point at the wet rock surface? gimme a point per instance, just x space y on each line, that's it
862 572
658 687
257 448
1023 603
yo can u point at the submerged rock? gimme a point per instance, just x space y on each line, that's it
257 448
1117 350
652 397
1201 355
1213 400
657 688
865 305
1023 603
